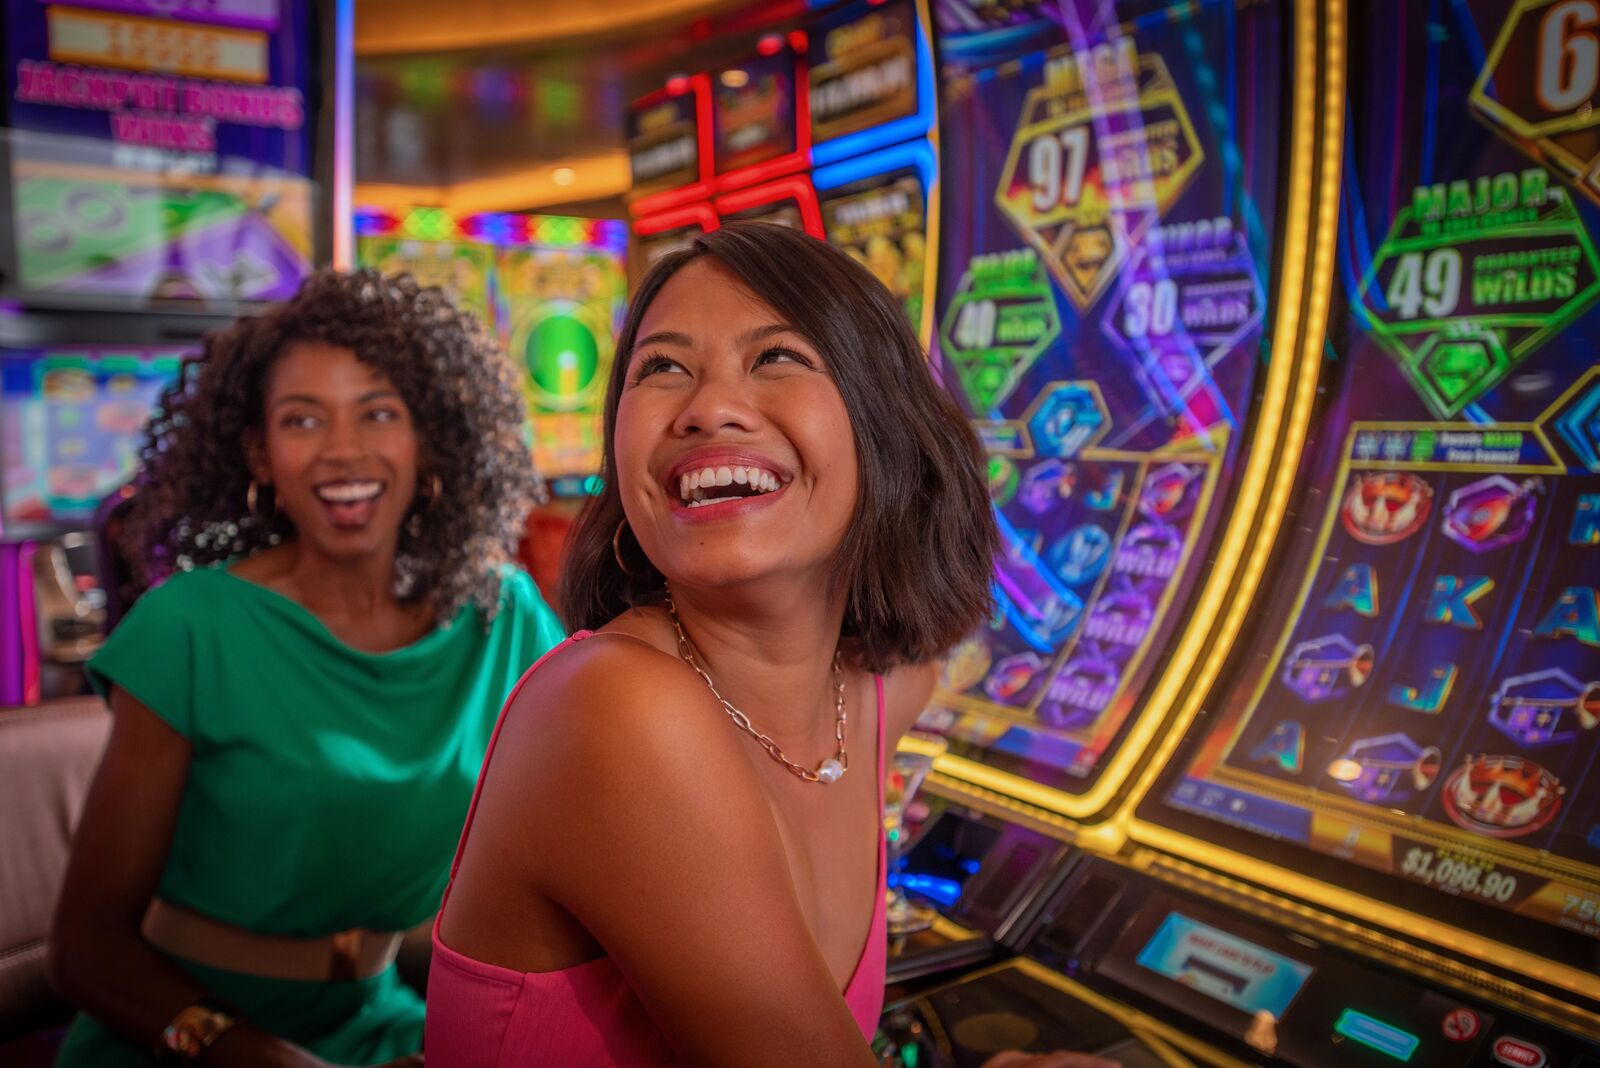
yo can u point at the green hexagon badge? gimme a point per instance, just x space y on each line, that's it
1476 274
1001 318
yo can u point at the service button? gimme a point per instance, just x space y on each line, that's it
1519 1053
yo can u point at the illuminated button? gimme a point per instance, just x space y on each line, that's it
1375 1034
1520 1053
1461 1025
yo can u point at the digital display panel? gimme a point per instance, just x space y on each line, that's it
71 425
1223 966
882 223
864 71
1101 306
754 109
161 151
1416 715
551 288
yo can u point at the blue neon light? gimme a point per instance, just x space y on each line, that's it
918 154
939 890
1375 1034
911 126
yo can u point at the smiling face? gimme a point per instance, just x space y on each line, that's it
735 458
338 449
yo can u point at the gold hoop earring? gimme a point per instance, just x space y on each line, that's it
616 549
414 524
252 498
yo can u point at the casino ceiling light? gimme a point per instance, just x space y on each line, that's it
398 27
735 78
589 178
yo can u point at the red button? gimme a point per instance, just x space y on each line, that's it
1461 1025
1520 1053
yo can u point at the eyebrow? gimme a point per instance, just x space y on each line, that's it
306 398
674 337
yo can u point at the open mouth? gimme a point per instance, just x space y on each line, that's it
350 504
718 485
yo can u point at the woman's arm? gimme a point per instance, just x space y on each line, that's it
620 793
98 960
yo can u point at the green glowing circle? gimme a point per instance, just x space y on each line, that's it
562 357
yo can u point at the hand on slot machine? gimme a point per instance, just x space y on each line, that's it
1015 1058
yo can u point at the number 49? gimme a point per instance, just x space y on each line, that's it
1432 285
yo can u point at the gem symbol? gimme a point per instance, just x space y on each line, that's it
1491 513
1067 418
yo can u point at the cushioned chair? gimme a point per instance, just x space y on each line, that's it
48 755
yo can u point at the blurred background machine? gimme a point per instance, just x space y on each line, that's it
163 168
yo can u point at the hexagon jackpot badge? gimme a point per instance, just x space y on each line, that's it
1540 85
1475 274
1100 150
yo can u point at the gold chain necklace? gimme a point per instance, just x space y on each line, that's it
830 770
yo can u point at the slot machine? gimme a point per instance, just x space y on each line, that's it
1306 778
873 123
552 290
145 200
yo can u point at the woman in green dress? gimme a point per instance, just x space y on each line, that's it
301 709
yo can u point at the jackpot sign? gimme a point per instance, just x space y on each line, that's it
1540 85
1101 149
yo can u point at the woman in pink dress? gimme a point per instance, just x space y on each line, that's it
676 850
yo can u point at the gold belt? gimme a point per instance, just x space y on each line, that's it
354 954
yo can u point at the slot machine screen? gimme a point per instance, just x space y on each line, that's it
71 426
1101 307
1415 715
550 288
163 152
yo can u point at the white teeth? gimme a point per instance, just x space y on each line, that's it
693 485
349 492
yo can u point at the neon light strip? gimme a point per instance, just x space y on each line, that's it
795 186
702 214
914 125
28 623
1375 1034
918 154
344 102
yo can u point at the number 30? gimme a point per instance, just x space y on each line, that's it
1569 55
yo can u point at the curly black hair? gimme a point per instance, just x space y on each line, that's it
191 506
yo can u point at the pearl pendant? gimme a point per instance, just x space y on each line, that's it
829 771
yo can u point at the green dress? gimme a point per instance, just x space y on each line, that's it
327 788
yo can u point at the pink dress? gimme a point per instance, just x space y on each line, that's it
484 1015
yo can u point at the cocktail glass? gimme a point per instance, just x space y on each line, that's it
905 776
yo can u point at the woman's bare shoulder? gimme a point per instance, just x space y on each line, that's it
906 690
607 708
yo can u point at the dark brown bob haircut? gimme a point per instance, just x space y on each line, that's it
916 562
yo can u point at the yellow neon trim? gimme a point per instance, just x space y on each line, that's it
1457 940
1268 474
1307 161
